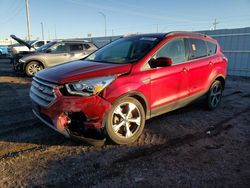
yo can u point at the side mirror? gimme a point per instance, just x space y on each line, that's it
48 51
161 62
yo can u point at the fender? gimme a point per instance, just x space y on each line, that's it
216 73
138 90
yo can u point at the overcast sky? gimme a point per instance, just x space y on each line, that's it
77 18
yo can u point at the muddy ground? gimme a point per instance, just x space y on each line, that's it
190 147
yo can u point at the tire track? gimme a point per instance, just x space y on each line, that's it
214 130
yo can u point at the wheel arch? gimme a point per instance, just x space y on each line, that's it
140 97
222 80
36 60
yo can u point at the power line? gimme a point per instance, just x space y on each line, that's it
14 13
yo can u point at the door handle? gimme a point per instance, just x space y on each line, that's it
146 81
210 63
184 70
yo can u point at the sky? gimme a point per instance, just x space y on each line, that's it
78 18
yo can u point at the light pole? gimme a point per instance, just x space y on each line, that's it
42 30
105 22
28 18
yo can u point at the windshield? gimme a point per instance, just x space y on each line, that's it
125 50
43 48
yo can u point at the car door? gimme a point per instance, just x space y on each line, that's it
57 54
169 84
199 66
76 51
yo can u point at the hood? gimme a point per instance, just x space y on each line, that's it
20 41
77 70
31 55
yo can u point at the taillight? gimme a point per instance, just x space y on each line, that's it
224 58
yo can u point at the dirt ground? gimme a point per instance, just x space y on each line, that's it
190 147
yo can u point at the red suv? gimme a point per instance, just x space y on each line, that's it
115 89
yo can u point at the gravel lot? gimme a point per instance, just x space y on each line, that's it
190 147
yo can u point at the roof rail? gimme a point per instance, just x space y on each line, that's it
71 40
186 32
130 34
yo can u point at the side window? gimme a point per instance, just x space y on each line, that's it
39 44
212 48
197 48
87 46
175 49
58 48
75 47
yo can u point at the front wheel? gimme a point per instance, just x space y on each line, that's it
32 68
214 95
125 121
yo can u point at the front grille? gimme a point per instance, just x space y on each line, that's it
42 92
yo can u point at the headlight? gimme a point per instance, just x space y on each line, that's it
21 61
89 87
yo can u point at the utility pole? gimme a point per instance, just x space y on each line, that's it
42 31
215 24
28 18
105 23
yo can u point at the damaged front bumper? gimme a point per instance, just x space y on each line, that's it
74 116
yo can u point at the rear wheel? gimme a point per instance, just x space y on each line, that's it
125 121
214 95
33 67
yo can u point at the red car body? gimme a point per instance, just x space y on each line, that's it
158 90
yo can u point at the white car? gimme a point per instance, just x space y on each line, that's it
22 48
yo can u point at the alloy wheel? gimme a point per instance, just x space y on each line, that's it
126 120
215 95
33 68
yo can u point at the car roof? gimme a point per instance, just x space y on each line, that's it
153 35
70 40
163 35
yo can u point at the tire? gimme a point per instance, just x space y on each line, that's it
32 68
126 114
214 95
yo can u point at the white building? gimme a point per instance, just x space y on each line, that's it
7 41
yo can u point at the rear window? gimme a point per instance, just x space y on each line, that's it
197 48
75 47
211 48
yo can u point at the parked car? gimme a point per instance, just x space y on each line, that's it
54 53
3 50
24 47
117 88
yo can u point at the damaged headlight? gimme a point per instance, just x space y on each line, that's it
89 87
